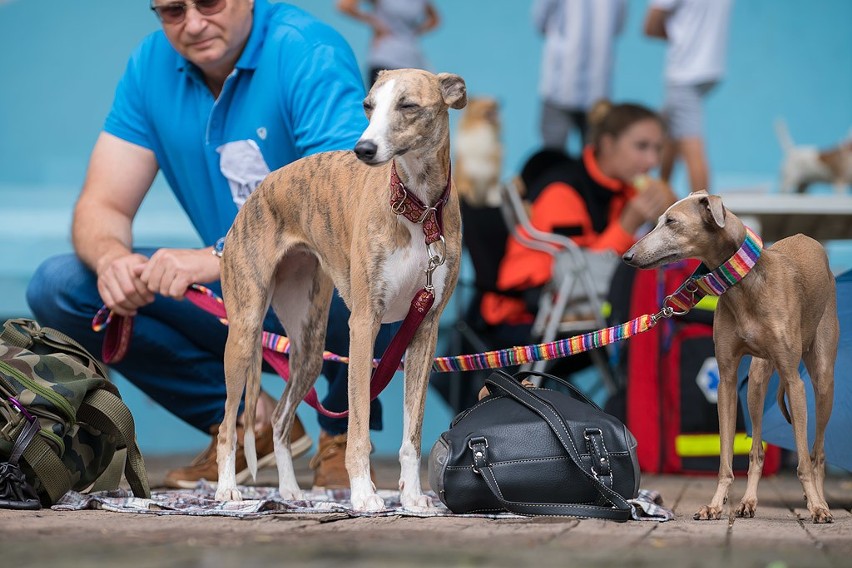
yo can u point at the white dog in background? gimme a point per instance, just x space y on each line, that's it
804 165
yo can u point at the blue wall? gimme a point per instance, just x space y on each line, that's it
787 58
60 61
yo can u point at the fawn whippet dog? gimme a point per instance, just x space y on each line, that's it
782 311
326 221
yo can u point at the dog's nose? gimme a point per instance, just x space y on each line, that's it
628 256
366 150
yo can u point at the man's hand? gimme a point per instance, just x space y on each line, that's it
169 272
119 285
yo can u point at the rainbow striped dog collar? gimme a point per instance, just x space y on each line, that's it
706 282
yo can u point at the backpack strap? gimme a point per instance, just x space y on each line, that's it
14 336
48 468
23 332
111 476
103 410
62 342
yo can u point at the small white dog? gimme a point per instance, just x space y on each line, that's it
804 165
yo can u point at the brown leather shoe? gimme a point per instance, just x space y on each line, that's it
329 463
204 466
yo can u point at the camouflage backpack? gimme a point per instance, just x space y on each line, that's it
63 424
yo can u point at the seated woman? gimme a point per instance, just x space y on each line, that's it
599 201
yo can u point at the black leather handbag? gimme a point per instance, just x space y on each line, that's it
535 451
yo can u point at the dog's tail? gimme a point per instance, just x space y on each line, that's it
252 394
782 405
783 134
250 451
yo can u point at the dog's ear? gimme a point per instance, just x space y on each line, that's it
712 208
453 90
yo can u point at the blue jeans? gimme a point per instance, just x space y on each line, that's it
176 351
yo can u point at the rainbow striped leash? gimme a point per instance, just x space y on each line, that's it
702 282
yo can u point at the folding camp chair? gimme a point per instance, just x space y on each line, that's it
572 301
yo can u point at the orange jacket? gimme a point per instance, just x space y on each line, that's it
559 206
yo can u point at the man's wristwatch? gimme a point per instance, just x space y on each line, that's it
219 247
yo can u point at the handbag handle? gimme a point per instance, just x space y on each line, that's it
621 510
572 390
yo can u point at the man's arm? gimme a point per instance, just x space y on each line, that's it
117 180
655 23
120 174
118 177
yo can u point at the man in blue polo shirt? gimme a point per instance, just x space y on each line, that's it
227 91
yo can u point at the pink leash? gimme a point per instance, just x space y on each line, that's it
381 376
120 328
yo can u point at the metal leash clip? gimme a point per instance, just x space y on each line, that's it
668 311
436 259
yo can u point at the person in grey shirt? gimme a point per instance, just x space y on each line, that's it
696 32
576 63
397 26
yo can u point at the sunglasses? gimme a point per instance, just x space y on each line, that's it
175 12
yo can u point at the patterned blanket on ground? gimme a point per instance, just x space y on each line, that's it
258 501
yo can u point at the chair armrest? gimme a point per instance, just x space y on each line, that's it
515 215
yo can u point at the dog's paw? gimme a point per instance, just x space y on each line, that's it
418 503
746 509
368 502
290 494
821 515
708 513
226 493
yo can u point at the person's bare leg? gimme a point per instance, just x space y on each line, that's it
695 159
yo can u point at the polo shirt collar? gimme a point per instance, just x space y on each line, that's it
251 53
597 175
260 21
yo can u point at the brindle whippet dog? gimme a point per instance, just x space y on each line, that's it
782 311
326 221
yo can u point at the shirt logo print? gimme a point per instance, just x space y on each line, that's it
261 133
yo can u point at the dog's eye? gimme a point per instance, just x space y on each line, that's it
671 221
368 107
408 106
